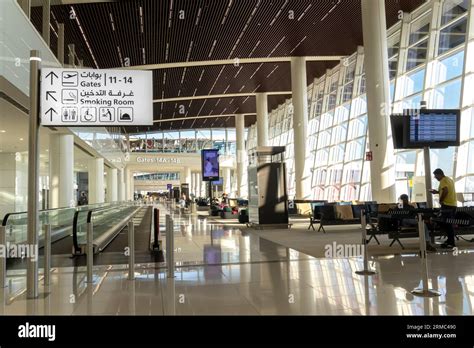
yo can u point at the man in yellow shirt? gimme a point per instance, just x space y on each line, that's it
448 201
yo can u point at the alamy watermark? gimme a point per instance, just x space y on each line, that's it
10 250
343 250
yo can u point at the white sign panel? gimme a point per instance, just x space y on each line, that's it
89 97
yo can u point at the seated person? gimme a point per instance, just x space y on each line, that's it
404 203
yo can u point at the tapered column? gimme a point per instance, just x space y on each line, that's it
61 170
300 125
112 185
382 171
96 180
262 119
129 185
227 183
121 184
241 154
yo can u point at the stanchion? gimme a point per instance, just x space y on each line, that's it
90 251
170 246
131 245
424 291
170 306
3 260
47 254
363 222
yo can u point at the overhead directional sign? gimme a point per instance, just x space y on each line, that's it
89 97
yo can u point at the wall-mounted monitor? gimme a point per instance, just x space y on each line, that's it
431 128
210 164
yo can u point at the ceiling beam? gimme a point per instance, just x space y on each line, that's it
197 117
216 96
236 62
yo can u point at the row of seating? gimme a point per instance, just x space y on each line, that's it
389 219
344 214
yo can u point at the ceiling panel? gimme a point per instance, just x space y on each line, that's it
113 34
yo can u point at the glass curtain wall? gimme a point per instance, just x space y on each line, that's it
431 55
184 141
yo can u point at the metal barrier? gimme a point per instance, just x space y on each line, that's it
424 291
170 246
363 222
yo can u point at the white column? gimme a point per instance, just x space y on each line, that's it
112 185
121 185
9 183
194 184
262 119
202 185
300 125
240 147
186 177
61 171
129 185
96 180
227 183
382 169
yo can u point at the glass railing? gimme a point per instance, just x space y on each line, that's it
60 219
106 223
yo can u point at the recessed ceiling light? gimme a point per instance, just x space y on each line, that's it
21 139
3 131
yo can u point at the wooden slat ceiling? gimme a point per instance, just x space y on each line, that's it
166 31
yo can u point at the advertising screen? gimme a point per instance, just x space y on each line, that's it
210 164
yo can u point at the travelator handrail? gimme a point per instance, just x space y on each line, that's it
79 207
90 214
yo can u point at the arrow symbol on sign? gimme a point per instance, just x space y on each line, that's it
48 94
50 110
52 74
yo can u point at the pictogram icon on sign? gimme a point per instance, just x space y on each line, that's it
70 78
88 114
107 114
69 96
50 95
125 114
69 114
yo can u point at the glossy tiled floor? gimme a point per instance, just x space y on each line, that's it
222 272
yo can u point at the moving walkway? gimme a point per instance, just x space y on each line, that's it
69 225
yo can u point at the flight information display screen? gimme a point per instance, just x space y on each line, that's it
428 128
433 128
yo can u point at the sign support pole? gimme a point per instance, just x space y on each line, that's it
210 193
33 196
427 162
